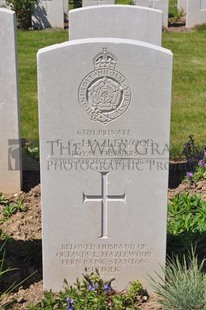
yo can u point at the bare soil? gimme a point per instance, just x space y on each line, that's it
24 250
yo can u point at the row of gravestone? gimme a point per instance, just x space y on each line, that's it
195 11
104 125
53 13
49 13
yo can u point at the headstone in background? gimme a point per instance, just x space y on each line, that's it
117 21
48 13
96 2
203 5
104 107
10 153
182 5
66 10
3 4
196 12
162 5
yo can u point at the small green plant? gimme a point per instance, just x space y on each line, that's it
91 294
184 287
186 223
4 270
33 152
200 28
3 235
196 159
177 16
3 201
13 207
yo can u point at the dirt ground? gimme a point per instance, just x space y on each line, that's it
24 250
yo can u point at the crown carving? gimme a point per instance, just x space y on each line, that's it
105 60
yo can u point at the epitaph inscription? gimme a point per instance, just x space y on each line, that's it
104 93
106 258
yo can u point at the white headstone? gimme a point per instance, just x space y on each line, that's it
203 4
162 5
196 12
66 7
10 163
117 21
48 13
96 2
104 135
3 4
182 5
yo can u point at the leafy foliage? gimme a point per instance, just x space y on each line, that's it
196 159
185 285
92 293
11 208
23 9
186 224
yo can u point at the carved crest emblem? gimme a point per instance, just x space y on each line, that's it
104 93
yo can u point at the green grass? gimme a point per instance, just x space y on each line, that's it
189 88
28 44
189 83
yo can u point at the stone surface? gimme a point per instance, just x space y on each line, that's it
182 5
104 135
10 167
96 2
49 13
162 5
3 4
203 5
196 12
122 21
66 9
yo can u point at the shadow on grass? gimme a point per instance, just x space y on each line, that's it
25 259
184 243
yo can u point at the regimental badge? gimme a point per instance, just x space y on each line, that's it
104 93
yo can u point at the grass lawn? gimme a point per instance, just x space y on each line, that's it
189 88
189 83
29 42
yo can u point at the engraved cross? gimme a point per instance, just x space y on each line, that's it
104 198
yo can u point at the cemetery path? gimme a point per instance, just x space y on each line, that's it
23 249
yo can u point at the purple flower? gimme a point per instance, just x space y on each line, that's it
91 287
201 163
107 288
70 304
190 174
204 153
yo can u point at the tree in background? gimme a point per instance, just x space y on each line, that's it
23 9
